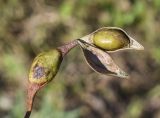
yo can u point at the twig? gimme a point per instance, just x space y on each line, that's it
67 47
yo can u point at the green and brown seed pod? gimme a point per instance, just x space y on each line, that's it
112 39
45 67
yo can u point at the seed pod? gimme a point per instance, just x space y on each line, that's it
43 70
45 67
101 61
112 39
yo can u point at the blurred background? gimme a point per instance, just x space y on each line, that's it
28 27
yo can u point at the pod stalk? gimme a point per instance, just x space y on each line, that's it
67 47
31 93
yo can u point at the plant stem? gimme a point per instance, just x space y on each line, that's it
31 92
67 47
27 115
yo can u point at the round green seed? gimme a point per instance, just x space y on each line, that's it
110 39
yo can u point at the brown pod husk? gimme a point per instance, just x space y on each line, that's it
100 61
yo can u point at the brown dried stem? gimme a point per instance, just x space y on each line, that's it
31 93
67 47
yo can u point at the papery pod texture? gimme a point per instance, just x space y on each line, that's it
100 61
112 39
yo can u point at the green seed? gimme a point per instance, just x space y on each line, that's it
110 39
45 67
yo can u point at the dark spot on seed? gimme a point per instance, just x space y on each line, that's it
38 72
